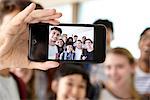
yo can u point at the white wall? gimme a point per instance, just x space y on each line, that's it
66 11
79 31
130 18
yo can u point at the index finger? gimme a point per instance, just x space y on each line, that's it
23 14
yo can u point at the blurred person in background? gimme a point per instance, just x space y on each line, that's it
28 77
97 70
142 75
109 30
12 87
119 67
70 82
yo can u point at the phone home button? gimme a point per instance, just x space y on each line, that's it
34 41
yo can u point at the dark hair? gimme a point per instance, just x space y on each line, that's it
105 22
84 40
62 45
84 37
57 28
62 40
79 41
89 40
68 42
148 28
75 36
71 69
124 52
8 6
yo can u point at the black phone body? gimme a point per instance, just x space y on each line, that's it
87 43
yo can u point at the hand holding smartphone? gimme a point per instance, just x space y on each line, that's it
67 42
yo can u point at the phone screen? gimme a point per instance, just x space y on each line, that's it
67 42
71 43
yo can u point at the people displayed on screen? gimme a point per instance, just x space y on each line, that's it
75 38
69 46
64 37
68 54
60 46
69 41
83 41
78 50
88 51
54 35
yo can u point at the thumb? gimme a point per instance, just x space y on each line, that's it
23 14
43 66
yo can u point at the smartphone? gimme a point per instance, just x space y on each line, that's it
67 42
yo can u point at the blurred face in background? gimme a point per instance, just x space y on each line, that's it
109 37
71 87
144 45
118 69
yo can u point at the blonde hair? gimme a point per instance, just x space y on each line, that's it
124 52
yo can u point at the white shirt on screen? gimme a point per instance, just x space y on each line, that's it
78 53
52 51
